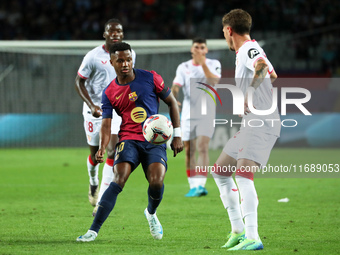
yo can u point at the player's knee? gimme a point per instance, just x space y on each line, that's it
156 183
120 180
202 148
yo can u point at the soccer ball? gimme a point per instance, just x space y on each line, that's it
157 129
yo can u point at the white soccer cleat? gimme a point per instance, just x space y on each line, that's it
88 237
156 229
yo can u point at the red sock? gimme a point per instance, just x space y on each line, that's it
109 161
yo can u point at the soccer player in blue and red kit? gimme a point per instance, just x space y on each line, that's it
134 95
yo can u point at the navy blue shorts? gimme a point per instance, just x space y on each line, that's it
136 152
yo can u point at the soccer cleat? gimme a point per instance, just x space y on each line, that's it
192 193
88 237
202 191
197 192
156 229
248 244
93 194
95 211
234 239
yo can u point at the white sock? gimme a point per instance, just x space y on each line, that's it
107 178
191 181
249 205
93 172
230 199
200 180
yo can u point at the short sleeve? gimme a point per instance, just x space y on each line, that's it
106 106
216 68
162 91
179 79
253 55
86 67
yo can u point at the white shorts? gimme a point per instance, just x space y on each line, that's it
92 127
192 129
250 144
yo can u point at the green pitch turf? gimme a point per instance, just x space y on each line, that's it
44 207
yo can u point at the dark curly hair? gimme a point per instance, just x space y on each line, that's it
120 46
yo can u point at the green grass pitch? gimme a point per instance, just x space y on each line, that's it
44 207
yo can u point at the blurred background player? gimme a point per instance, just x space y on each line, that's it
250 147
94 74
135 95
196 130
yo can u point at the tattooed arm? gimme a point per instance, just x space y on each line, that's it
261 69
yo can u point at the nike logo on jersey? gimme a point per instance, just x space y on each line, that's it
104 62
119 96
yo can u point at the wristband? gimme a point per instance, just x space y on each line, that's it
177 132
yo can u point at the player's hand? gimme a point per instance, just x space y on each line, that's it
199 57
100 155
176 145
96 111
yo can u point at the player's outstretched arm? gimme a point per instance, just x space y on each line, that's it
105 134
82 91
176 144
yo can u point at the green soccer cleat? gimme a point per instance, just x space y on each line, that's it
234 239
248 245
88 237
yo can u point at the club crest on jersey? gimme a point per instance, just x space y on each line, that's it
253 52
133 96
138 114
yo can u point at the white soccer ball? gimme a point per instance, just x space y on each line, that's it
157 129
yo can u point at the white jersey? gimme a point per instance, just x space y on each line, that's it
98 72
187 73
246 57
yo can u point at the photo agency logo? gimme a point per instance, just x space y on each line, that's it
259 117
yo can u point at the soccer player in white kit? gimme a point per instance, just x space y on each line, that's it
94 75
250 147
195 131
